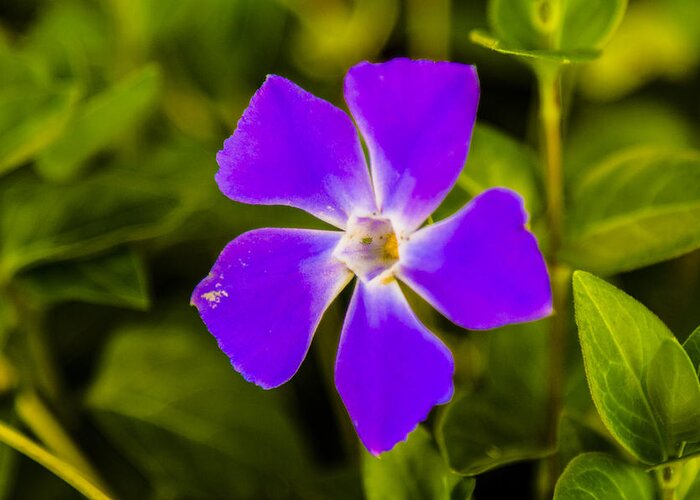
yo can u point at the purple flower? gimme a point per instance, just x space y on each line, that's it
269 288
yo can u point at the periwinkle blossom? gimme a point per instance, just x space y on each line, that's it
265 295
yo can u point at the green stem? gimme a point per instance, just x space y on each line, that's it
550 112
549 86
669 478
40 376
64 470
34 413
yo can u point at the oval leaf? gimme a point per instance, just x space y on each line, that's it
558 30
642 382
674 392
692 347
597 475
639 208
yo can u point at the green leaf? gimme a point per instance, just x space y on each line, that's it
86 41
574 436
413 470
689 485
674 391
40 223
597 475
692 347
636 209
498 160
99 122
661 30
600 131
486 40
169 399
478 434
30 120
506 421
556 30
642 383
589 23
117 278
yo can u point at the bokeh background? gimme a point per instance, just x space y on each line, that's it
111 113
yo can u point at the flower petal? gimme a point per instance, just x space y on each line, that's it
417 119
480 267
265 297
390 370
292 148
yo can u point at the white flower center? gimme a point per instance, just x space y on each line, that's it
369 247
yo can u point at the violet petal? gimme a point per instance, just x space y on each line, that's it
292 148
417 119
390 369
480 267
265 297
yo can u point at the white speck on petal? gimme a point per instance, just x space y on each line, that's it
214 297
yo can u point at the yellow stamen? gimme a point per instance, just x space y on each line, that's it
391 247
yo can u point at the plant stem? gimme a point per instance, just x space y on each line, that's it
40 376
32 410
549 86
669 477
65 471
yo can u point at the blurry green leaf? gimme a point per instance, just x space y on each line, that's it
506 421
575 437
655 40
171 401
30 120
331 39
117 278
603 130
497 160
18 71
478 434
413 470
692 347
99 122
638 208
644 387
39 222
219 48
72 39
558 30
600 476
518 365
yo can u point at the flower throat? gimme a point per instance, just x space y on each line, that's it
369 247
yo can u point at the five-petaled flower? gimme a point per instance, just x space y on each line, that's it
266 294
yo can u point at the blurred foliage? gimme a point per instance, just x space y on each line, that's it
111 113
